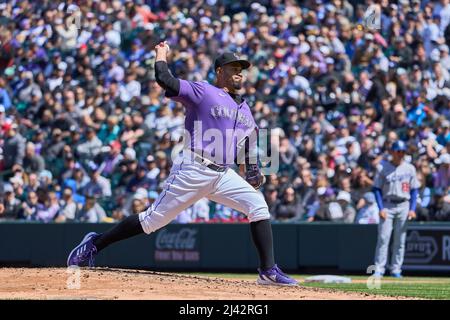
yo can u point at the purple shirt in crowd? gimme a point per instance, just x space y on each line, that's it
216 124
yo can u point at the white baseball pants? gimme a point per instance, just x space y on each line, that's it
189 181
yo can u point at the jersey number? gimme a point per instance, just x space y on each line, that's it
405 186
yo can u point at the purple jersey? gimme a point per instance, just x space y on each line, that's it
216 124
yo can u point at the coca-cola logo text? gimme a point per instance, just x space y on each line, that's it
184 239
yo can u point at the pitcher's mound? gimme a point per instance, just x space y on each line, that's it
103 283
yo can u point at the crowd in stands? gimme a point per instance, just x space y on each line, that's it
86 134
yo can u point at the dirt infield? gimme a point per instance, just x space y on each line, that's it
100 283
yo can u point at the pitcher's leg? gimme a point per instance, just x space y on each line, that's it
398 245
184 186
234 192
92 243
384 236
182 189
127 228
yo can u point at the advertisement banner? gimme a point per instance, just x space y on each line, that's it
179 245
427 248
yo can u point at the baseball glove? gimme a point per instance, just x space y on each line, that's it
254 177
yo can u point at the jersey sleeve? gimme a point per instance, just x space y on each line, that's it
191 93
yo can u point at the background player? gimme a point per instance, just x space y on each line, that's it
396 188
195 174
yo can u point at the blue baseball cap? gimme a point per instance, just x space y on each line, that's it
398 146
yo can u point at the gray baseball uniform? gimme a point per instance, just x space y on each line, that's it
395 184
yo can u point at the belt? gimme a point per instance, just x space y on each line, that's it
209 164
396 201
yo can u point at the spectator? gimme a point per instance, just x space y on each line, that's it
141 195
308 151
445 57
80 179
441 207
91 147
444 137
137 206
112 159
130 88
109 132
68 32
69 167
49 209
91 212
345 201
288 209
424 199
139 180
397 118
369 213
402 55
287 155
33 183
53 147
306 192
327 208
13 147
45 179
11 205
17 182
27 88
416 113
362 184
142 133
32 162
152 169
69 207
442 175
30 206
97 185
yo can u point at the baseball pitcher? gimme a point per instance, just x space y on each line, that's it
214 113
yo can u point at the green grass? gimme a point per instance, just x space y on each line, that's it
415 287
406 289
